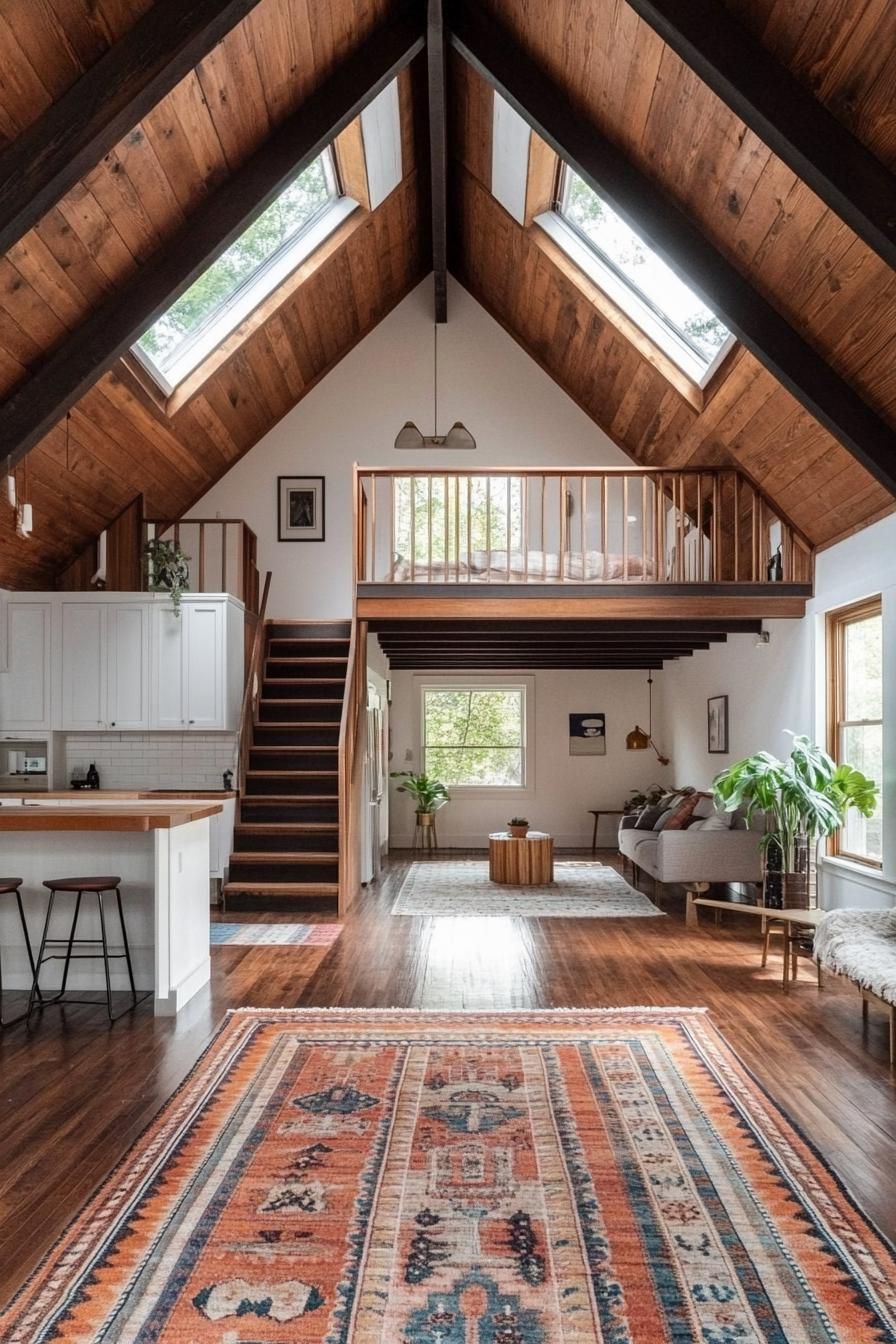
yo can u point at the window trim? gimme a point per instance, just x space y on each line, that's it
638 309
481 682
265 281
836 622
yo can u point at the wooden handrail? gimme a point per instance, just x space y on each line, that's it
250 691
348 760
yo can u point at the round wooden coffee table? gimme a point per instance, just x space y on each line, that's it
521 863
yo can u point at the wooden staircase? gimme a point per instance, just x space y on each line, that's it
286 839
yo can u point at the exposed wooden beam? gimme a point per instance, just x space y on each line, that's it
517 628
784 114
112 328
73 134
438 154
545 104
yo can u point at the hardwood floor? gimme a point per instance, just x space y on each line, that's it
75 1094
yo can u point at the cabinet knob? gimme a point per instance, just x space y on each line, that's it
192 720
112 724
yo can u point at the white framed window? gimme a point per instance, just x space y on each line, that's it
475 733
638 281
304 214
855 718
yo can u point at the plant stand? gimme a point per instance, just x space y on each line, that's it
426 837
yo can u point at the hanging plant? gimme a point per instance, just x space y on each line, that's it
167 570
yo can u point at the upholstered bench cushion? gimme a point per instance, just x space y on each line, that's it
860 944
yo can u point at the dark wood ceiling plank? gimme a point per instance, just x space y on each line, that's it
109 99
544 103
798 128
113 327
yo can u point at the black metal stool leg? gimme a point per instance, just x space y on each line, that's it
35 988
127 950
99 901
71 940
28 947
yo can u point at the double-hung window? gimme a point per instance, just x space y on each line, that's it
856 727
639 282
474 735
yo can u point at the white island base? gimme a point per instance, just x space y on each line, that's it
164 875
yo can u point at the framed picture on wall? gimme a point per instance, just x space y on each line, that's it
300 508
587 735
717 724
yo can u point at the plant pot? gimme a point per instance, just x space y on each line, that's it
425 818
519 832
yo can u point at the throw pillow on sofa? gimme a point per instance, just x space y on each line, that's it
648 817
681 814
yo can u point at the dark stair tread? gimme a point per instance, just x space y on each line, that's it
269 827
290 774
289 747
284 888
283 856
298 798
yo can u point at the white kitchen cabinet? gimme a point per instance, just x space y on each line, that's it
204 671
26 699
83 666
105 666
128 665
117 662
198 670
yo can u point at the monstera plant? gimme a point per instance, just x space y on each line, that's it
804 799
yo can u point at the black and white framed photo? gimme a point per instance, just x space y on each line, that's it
300 508
717 724
587 734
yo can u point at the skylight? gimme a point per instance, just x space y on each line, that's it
627 269
301 217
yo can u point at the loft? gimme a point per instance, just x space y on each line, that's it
596 543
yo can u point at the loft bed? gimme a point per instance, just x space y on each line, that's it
573 542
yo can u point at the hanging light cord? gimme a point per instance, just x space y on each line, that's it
435 379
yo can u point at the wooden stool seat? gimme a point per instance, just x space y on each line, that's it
9 884
83 883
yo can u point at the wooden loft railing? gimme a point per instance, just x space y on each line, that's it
222 553
598 526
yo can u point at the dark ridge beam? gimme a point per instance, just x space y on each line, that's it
71 137
567 128
438 154
783 113
112 328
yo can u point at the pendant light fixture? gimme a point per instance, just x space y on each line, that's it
458 436
637 739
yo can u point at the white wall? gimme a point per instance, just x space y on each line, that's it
516 413
782 685
563 787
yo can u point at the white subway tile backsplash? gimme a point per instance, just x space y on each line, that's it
152 760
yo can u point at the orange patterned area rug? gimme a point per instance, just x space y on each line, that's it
463 1178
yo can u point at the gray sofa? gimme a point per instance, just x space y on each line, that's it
695 857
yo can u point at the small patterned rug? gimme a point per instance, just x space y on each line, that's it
608 1177
275 935
580 890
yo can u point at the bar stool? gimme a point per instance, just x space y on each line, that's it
10 886
82 886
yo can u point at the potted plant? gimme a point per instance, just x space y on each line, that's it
641 798
804 798
518 827
428 794
167 569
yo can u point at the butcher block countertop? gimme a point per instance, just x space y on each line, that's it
106 816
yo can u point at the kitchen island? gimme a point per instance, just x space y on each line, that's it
160 849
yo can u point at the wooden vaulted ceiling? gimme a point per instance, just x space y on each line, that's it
796 252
